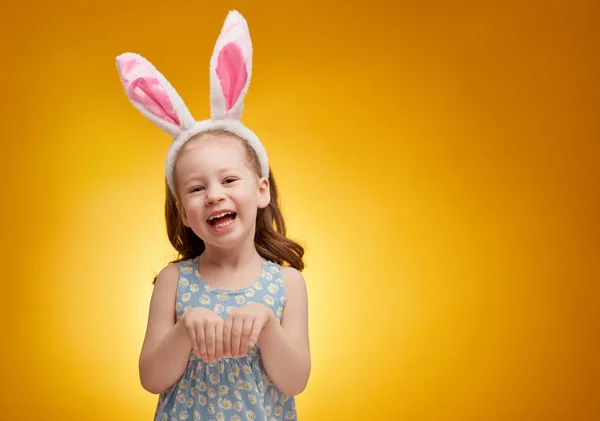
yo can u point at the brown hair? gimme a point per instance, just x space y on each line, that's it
270 236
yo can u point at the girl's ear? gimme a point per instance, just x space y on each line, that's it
264 192
182 213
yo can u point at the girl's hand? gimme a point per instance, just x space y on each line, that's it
242 328
204 329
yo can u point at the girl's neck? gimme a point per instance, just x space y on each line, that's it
229 258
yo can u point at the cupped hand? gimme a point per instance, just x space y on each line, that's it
204 329
242 328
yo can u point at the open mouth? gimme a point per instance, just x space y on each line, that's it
222 220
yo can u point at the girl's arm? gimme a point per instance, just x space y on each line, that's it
166 347
285 347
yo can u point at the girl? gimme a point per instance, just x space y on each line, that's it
227 335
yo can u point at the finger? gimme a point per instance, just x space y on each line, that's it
246 331
236 335
209 332
201 341
256 329
219 340
191 332
227 335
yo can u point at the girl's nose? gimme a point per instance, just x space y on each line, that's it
214 195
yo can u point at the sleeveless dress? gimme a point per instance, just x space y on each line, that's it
230 389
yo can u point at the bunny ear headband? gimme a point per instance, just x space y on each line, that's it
230 71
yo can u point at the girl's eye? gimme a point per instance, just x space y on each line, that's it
196 189
229 180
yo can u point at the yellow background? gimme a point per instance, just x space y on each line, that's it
439 160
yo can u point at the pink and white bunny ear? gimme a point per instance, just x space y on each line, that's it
230 68
150 92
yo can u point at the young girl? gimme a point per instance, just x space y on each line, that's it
227 335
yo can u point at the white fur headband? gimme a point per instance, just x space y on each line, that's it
230 71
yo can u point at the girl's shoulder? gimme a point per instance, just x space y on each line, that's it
292 277
296 294
168 274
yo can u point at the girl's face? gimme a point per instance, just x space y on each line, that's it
219 194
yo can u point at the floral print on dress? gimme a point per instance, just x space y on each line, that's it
230 389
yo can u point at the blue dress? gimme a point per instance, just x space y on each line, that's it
229 389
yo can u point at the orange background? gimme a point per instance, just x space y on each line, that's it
439 160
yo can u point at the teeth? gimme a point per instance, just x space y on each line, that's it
220 215
223 224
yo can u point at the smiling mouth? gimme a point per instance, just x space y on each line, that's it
220 221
